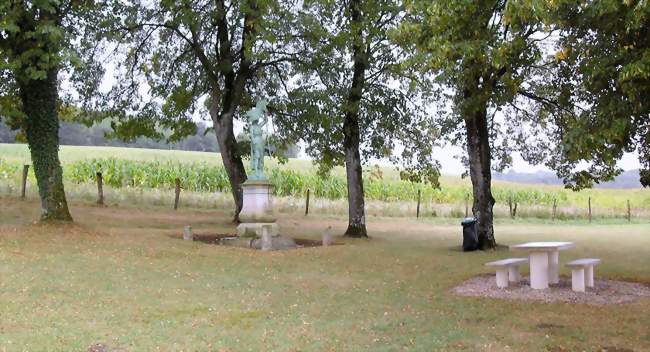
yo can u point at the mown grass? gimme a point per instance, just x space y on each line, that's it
119 277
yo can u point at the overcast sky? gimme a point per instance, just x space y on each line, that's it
453 166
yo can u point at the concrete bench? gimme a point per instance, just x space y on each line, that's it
582 273
507 270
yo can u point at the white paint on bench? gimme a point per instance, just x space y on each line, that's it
582 273
507 270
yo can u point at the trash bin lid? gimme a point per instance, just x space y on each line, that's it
468 221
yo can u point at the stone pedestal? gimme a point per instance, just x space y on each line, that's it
539 270
258 205
257 210
257 216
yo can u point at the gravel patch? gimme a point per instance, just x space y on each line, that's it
604 292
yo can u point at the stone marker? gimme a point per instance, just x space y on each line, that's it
187 233
267 241
327 236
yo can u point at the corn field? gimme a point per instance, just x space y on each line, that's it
201 177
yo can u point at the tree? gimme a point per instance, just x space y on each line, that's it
482 53
596 99
35 45
350 100
222 52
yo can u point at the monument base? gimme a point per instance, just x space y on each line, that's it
257 212
257 202
277 242
254 229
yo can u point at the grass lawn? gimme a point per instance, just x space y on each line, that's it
119 277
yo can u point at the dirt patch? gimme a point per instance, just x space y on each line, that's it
605 292
499 247
303 242
211 239
215 238
100 347
549 326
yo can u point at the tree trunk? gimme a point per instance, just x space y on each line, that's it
356 205
39 100
231 158
478 149
351 140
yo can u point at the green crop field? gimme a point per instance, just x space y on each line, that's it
202 172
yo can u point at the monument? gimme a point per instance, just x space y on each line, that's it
257 214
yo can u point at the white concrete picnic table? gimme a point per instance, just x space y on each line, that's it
544 261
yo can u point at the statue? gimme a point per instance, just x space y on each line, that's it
257 119
259 227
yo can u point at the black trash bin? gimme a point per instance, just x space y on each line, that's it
470 238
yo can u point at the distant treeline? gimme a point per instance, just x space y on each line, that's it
72 133
627 179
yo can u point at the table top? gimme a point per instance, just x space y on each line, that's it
542 246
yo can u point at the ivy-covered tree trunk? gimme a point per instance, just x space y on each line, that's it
351 139
231 158
478 150
39 99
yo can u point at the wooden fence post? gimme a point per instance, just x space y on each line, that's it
629 212
467 205
100 189
307 204
554 208
25 173
178 192
590 209
417 211
510 205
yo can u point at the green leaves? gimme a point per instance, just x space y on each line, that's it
393 122
601 86
482 53
44 35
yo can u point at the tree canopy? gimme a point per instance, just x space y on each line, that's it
564 83
596 103
481 53
189 56
350 99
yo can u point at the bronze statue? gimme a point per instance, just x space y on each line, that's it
257 119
